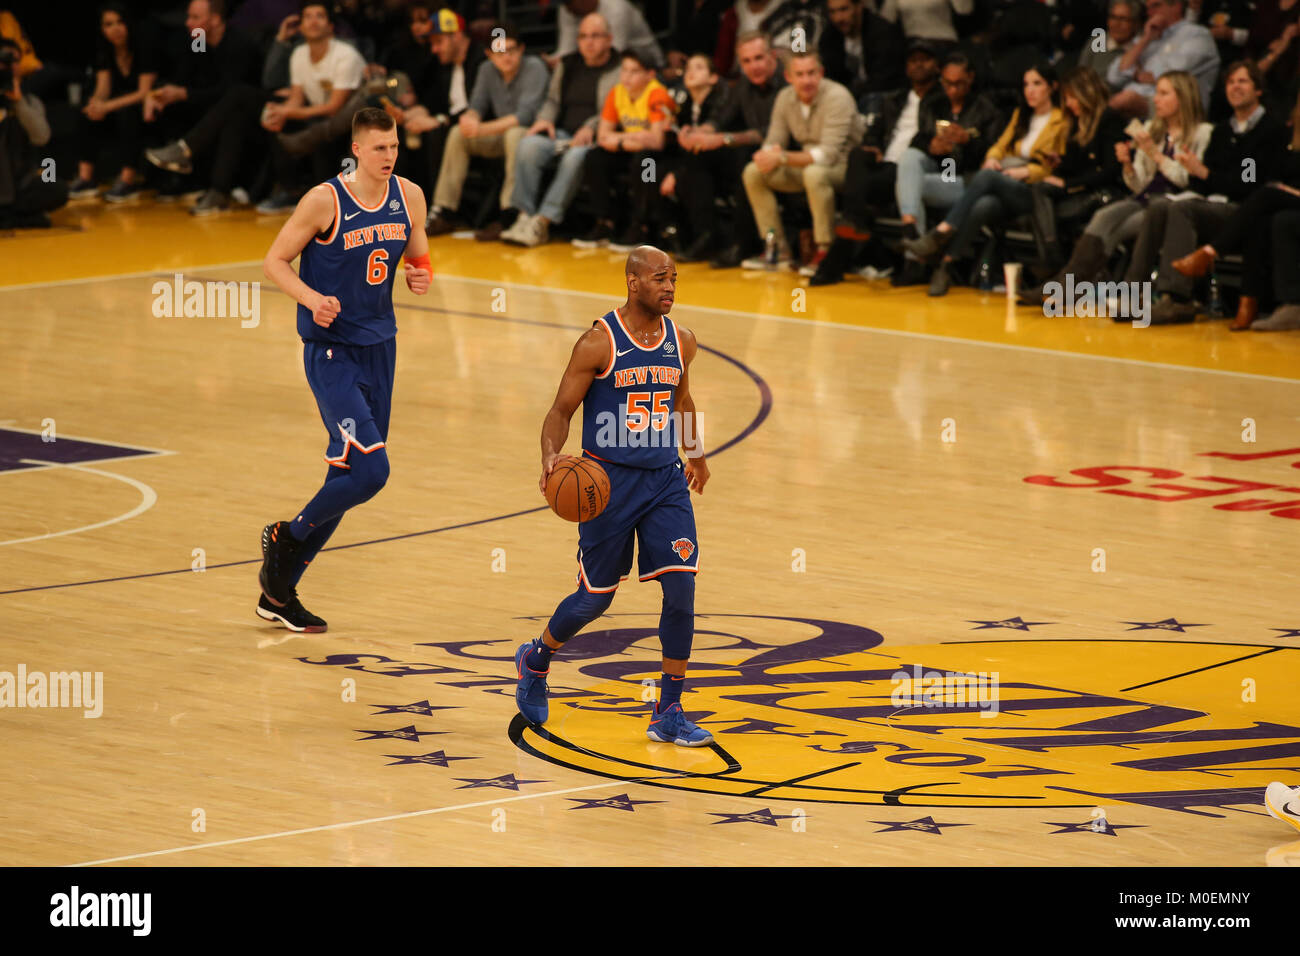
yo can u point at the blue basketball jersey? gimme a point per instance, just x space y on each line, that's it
628 413
356 262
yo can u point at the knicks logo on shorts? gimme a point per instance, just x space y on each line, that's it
684 548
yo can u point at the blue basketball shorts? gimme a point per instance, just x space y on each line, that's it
353 385
654 506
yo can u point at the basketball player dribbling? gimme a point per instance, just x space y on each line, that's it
629 373
351 232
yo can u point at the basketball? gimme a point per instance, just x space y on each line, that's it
577 489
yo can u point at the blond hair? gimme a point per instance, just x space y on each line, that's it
1191 113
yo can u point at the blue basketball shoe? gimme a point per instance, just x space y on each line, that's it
530 694
672 727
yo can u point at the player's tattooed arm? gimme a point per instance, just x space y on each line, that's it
418 269
314 215
591 356
697 469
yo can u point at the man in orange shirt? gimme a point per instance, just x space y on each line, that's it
633 123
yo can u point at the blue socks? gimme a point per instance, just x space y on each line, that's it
539 658
670 692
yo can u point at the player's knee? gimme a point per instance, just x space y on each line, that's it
370 472
591 606
679 592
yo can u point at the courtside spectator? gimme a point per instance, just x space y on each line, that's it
626 25
505 101
1122 20
819 116
861 51
1248 231
954 132
1087 177
705 105
442 94
1025 154
1286 277
630 139
742 18
25 195
199 66
1168 42
713 159
1177 129
870 180
1244 150
563 133
111 125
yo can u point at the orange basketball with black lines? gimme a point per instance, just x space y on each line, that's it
577 489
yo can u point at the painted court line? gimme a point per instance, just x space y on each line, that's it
701 308
148 498
355 823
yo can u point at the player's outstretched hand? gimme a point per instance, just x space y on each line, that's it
548 465
417 280
697 473
325 310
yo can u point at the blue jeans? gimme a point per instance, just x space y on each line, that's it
920 183
535 155
991 195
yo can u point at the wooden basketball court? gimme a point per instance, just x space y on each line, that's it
1087 529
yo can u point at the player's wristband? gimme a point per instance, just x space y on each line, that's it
421 262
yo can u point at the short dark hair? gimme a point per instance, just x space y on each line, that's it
323 4
1251 67
371 117
708 60
958 59
641 59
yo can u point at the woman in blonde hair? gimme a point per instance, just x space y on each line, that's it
1149 169
1250 231
1088 174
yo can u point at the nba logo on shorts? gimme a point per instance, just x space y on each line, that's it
684 548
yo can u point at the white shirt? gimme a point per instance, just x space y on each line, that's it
458 98
1036 124
907 126
747 20
341 68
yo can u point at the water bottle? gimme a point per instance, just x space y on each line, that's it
1216 300
770 252
986 276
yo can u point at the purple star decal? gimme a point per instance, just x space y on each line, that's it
438 758
505 782
1168 624
620 802
923 825
1287 631
764 816
1100 825
421 707
404 733
1015 623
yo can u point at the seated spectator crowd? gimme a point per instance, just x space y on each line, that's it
927 141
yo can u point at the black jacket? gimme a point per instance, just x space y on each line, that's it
1264 143
978 113
435 96
1094 165
882 52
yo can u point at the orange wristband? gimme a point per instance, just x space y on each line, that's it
423 262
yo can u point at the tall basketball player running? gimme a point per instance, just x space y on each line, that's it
629 373
351 232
